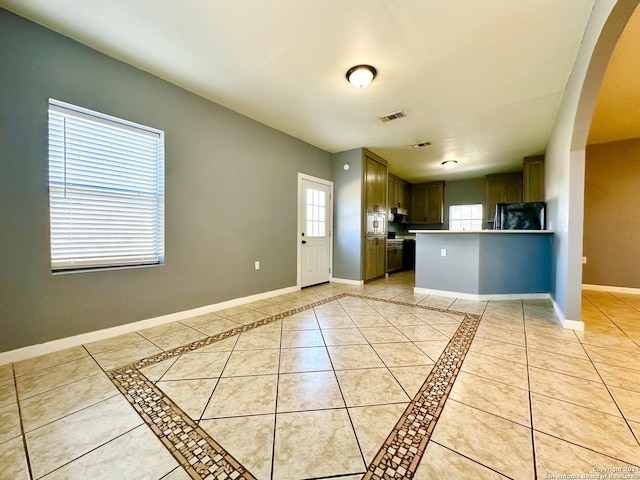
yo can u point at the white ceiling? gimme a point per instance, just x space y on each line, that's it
481 80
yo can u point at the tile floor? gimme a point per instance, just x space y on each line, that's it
340 389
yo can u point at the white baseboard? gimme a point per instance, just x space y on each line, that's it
609 288
482 298
68 342
347 281
577 325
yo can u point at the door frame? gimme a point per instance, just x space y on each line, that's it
328 183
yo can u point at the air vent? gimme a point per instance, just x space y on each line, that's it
392 116
421 145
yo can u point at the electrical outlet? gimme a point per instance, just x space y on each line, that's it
584 259
443 252
257 265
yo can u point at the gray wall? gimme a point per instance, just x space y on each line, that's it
347 239
231 194
612 214
565 155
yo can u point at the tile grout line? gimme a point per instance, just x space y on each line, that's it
23 434
199 454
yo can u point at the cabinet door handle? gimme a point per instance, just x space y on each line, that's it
376 224
377 241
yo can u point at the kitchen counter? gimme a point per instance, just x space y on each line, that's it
484 264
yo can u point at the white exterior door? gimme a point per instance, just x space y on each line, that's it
314 231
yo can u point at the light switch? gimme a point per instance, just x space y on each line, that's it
443 252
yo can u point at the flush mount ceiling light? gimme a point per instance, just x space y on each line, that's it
361 75
449 163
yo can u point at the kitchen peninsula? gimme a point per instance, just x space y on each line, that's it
485 264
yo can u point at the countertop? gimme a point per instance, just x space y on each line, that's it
482 231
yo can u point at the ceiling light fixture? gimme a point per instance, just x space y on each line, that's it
449 163
361 75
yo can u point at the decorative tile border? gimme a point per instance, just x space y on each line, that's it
203 458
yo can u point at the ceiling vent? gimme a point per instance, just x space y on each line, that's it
421 145
392 116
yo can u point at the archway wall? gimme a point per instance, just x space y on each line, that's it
565 156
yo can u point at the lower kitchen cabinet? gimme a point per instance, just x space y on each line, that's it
394 255
375 250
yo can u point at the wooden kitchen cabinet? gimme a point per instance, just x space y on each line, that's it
375 186
399 193
533 179
502 188
375 250
427 205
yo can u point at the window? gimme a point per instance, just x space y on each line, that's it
465 217
316 213
106 190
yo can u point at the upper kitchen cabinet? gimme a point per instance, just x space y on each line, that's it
533 178
399 193
427 204
502 188
375 184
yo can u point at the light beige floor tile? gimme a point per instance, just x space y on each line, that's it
437 302
617 340
335 322
114 343
247 317
383 334
572 389
308 391
628 401
307 359
368 321
110 359
197 365
155 371
405 318
555 345
373 386
52 377
343 336
54 404
500 334
619 376
566 364
178 473
238 396
499 349
190 395
178 338
302 338
151 459
411 378
315 444
556 457
401 354
374 424
468 306
433 316
598 431
6 373
614 357
258 340
9 422
635 428
13 460
433 348
421 333
7 393
213 326
252 362
354 356
448 330
500 399
253 451
62 441
49 360
443 464
225 345
497 369
299 322
492 441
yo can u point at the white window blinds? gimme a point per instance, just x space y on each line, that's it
106 190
